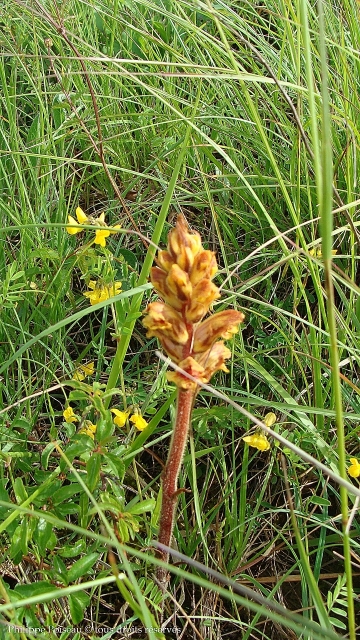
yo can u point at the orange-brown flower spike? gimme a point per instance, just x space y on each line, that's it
183 279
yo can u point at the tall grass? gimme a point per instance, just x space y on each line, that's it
244 117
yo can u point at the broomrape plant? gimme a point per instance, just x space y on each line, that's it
183 279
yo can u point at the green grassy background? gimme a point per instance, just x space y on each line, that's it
221 111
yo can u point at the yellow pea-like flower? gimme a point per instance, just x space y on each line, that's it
83 370
69 415
258 440
270 419
100 292
139 422
75 225
120 417
100 233
89 429
354 469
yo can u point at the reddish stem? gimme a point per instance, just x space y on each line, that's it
171 473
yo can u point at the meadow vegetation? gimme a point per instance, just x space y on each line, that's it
244 117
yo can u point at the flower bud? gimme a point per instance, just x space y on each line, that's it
270 419
184 245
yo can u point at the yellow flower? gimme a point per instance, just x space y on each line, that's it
69 415
100 234
83 370
100 292
270 419
317 253
89 429
120 417
258 440
354 469
139 422
81 219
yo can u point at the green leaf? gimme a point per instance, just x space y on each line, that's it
132 317
76 449
77 395
81 567
78 602
65 509
339 612
70 551
115 503
65 493
84 513
320 501
35 588
116 464
129 257
52 541
4 496
21 423
42 534
32 138
47 493
60 569
19 490
105 428
93 467
123 531
58 110
337 623
16 547
45 253
141 507
46 454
